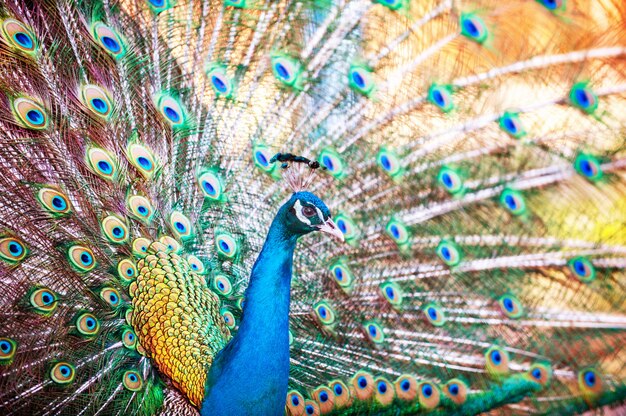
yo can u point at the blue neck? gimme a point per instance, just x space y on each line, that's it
251 374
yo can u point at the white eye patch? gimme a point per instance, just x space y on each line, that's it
298 208
303 218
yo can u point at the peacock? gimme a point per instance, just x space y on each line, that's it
312 207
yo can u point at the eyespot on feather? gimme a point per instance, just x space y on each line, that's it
114 229
211 185
19 36
324 312
374 332
129 339
511 306
456 390
582 268
221 284
87 324
30 114
63 373
140 247
497 362
325 399
428 395
392 293
102 163
142 158
140 207
195 264
171 244
540 373
180 225
12 250
226 245
43 300
172 110
97 100
8 348
384 392
295 403
81 258
132 380
111 296
363 384
54 201
127 270
434 314
109 40
406 387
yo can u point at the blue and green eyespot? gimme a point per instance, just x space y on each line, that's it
87 324
211 185
19 36
588 167
540 373
511 123
158 6
111 296
398 232
97 100
590 382
129 339
333 162
221 284
384 392
389 162
342 275
428 395
195 264
171 109
449 252
109 39
324 313
222 84
287 70
441 96
43 300
127 270
511 306
583 97
30 113
456 390
54 201
114 229
81 258
406 387
582 268
102 163
497 361
451 180
434 314
553 5
12 250
513 201
8 348
363 385
132 380
374 332
348 228
229 318
473 27
63 373
361 80
392 293
226 245
180 225
140 207
142 158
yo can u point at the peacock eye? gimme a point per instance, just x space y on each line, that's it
309 211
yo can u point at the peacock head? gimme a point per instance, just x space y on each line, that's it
305 213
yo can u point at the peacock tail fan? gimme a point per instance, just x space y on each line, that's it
474 159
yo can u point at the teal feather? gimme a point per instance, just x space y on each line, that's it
472 156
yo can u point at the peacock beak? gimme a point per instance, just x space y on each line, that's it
329 227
